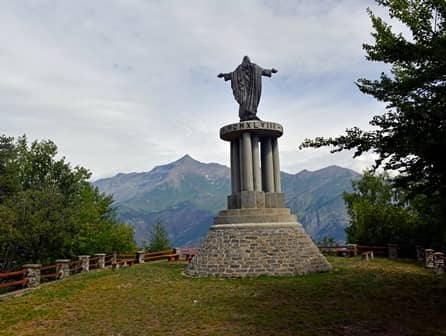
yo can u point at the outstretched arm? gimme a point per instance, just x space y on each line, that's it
225 76
268 73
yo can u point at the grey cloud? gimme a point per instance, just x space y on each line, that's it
126 85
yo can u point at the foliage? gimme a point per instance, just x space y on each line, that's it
159 239
327 241
379 214
410 136
49 210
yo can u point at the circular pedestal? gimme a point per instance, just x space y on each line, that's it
266 128
246 250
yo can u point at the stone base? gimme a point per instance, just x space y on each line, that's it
246 249
256 199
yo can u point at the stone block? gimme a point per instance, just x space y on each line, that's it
140 256
63 268
429 258
234 201
260 199
101 259
439 263
274 200
248 199
85 262
32 275
280 200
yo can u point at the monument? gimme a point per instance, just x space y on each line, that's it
256 235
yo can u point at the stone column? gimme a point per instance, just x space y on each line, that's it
439 263
235 167
276 165
256 163
114 263
140 257
85 262
429 258
352 250
63 268
267 166
32 275
392 250
246 162
101 259
240 160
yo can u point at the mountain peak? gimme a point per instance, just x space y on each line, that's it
186 158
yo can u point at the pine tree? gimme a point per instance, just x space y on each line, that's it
159 239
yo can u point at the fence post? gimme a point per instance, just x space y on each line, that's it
352 250
420 252
85 262
392 250
32 275
429 258
63 268
115 264
140 257
439 263
101 259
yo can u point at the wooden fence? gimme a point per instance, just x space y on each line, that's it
33 274
355 249
13 279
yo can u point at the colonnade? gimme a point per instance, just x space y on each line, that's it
255 163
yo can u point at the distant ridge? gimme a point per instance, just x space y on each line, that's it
187 193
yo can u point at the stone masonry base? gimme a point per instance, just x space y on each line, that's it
254 249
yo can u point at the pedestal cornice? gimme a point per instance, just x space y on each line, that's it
262 128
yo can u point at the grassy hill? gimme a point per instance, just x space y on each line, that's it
382 297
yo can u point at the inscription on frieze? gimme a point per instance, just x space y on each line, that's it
257 126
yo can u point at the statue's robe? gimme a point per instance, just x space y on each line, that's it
246 83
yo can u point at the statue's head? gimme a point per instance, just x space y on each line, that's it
246 60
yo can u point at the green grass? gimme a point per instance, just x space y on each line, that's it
381 297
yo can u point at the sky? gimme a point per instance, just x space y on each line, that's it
126 85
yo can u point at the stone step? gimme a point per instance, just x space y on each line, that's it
255 212
255 219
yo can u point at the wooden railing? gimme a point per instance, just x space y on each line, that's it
75 266
188 253
167 254
382 251
354 249
48 273
108 260
12 281
94 263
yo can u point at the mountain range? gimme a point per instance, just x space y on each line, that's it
186 194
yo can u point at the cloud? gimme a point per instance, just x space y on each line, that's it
125 85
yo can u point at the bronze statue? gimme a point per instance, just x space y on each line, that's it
246 83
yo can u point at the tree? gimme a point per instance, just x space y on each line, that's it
159 239
410 137
328 241
379 213
49 210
